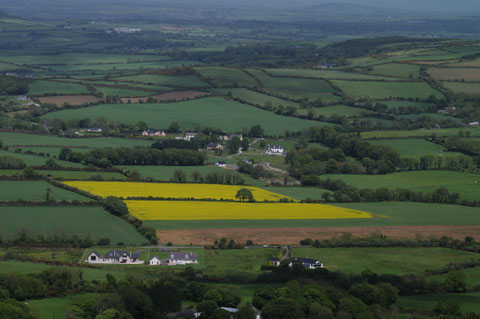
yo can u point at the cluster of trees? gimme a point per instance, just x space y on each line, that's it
174 143
360 300
343 193
227 178
107 157
117 207
57 238
456 143
9 162
10 85
256 171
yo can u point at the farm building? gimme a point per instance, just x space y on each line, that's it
229 137
214 147
221 164
175 258
308 263
95 129
189 136
115 257
275 150
151 133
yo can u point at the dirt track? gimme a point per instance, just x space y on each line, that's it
294 235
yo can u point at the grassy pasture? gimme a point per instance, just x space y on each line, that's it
43 87
339 109
112 67
469 302
396 214
396 104
34 190
466 184
413 147
56 307
300 193
82 221
227 77
459 87
78 58
80 175
70 99
122 92
188 81
255 97
294 87
214 112
324 74
23 139
53 150
397 70
165 173
384 260
467 74
383 90
419 133
475 63
33 160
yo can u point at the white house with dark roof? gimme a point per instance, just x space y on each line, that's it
188 136
115 257
151 132
308 263
275 150
175 259
221 164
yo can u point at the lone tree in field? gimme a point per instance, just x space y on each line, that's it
244 194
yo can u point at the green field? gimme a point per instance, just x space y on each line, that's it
255 97
339 109
469 302
396 104
325 74
388 214
385 260
397 70
22 139
121 92
227 77
82 221
462 87
383 90
455 74
33 160
294 87
420 133
77 58
56 307
165 173
187 81
34 191
49 87
414 147
81 174
213 112
300 193
466 184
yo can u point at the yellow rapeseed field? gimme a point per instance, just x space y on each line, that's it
204 210
170 190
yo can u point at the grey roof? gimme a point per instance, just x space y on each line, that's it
304 260
114 254
95 253
183 256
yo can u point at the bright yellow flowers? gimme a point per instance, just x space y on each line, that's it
170 190
204 210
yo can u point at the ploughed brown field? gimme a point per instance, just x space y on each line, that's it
71 99
170 96
292 236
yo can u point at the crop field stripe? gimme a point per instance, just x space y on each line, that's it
171 190
195 210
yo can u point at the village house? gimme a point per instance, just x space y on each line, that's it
175 259
275 150
189 136
22 98
115 257
127 30
274 261
221 164
94 129
308 263
246 160
214 147
473 124
229 137
151 133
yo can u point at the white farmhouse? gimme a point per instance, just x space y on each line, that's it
275 150
115 257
